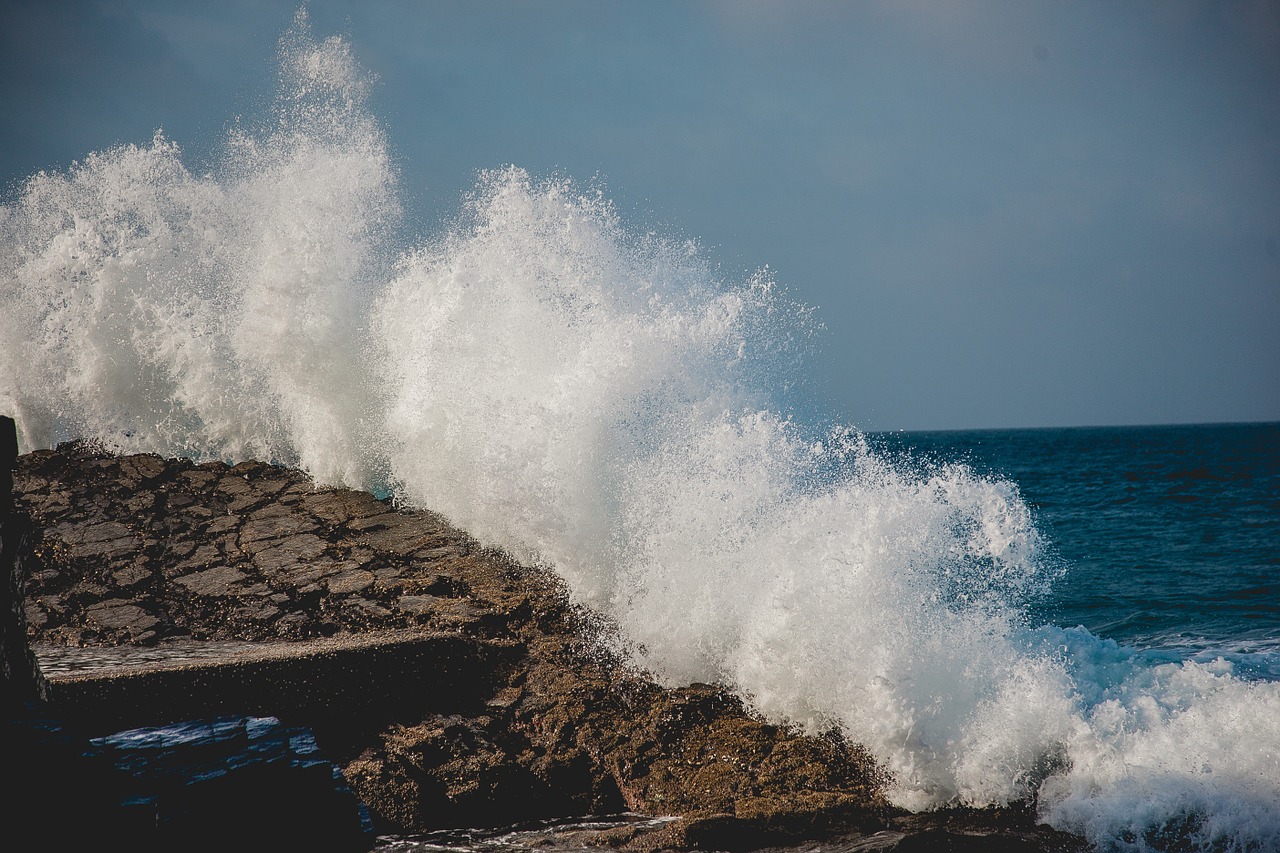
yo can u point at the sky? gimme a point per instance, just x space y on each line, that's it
1005 214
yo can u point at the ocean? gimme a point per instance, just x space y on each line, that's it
1083 616
1169 535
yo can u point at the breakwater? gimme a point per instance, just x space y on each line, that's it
529 716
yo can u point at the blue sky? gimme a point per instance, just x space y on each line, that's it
1005 213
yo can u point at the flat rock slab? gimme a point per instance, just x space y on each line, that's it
318 682
144 551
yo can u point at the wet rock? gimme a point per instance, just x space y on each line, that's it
21 681
185 559
290 553
239 495
120 615
471 771
215 784
131 575
402 539
224 524
104 540
545 724
381 521
417 605
339 506
350 581
273 523
218 581
197 479
134 470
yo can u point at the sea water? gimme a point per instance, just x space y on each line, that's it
1083 617
1170 534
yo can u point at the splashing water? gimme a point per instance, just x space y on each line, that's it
598 401
153 309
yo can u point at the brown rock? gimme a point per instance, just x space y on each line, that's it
198 479
131 575
218 581
351 581
381 521
306 575
120 615
369 609
287 554
146 466
259 611
417 605
105 540
340 505
201 558
402 539
36 616
222 524
273 522
550 726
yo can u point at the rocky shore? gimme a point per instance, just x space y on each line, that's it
499 707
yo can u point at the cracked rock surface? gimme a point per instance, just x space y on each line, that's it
140 551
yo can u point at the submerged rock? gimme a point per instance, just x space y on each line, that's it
144 551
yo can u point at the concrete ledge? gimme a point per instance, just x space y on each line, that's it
344 683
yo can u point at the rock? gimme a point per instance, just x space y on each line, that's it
39 754
417 605
350 581
20 679
541 721
224 524
231 783
184 559
218 581
104 540
273 522
381 521
370 608
131 575
402 539
287 554
339 506
120 615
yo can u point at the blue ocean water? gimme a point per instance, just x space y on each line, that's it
1169 535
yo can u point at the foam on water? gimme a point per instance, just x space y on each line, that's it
602 402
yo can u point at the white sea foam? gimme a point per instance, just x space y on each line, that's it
601 401
150 308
